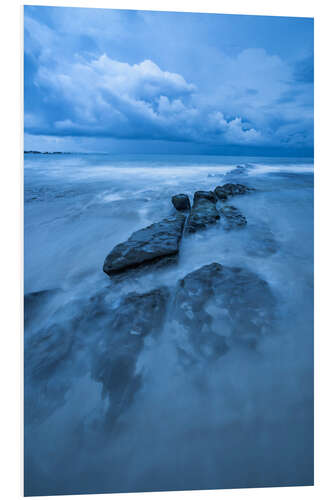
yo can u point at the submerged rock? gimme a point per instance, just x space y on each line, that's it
45 350
140 314
115 356
231 190
261 242
203 212
232 217
151 244
216 306
181 202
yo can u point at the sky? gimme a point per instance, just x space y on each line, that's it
100 80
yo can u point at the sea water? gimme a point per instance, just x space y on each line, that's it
245 420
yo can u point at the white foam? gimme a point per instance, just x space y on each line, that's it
293 168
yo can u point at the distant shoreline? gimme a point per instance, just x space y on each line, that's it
45 153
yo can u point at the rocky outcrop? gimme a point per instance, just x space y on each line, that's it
203 213
232 217
231 190
216 306
151 244
181 202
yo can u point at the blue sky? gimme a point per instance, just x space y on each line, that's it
155 82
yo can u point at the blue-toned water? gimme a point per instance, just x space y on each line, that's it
245 420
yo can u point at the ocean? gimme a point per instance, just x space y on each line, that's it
244 419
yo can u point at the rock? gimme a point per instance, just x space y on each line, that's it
204 195
115 356
232 189
151 244
217 306
220 193
51 347
45 350
203 212
232 217
140 314
181 202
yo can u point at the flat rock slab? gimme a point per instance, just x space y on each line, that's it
232 217
181 202
204 211
150 244
216 306
231 190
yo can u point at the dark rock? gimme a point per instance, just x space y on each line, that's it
203 212
115 355
232 217
232 189
181 202
157 241
217 306
140 314
204 195
220 193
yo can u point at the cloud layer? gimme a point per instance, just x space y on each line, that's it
250 97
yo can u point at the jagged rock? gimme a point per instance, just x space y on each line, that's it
232 189
115 355
216 306
181 202
151 244
203 212
232 217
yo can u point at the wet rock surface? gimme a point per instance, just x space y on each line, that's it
220 193
48 354
232 218
204 211
150 244
181 202
48 348
231 189
115 357
217 306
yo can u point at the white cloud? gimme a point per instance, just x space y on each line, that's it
251 100
107 97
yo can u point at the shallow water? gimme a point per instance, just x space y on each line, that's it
242 420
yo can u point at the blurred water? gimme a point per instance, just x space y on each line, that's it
245 420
